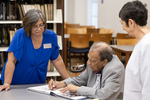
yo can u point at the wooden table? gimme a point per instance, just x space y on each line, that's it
127 49
20 92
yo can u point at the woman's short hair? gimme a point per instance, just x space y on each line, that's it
136 11
104 50
31 18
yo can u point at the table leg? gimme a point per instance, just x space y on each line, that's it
118 53
127 58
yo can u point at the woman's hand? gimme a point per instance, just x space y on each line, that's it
56 85
5 87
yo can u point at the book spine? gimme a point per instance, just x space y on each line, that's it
4 11
1 36
1 11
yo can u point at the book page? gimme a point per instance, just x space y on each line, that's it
67 94
45 90
41 89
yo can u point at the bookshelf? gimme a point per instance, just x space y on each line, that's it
20 22
55 23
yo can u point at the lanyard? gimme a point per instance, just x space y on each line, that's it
97 82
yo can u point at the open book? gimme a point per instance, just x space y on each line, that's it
45 90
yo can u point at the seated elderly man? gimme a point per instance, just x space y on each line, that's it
103 78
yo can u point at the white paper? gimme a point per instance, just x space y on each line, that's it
45 90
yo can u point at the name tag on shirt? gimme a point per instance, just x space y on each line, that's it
48 45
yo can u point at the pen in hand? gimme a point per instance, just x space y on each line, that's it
53 82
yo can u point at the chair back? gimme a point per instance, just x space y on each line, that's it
72 25
93 31
123 36
65 24
101 37
76 30
79 40
65 30
106 31
126 41
93 27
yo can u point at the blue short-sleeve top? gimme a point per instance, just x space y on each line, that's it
31 66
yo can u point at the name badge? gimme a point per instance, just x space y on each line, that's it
46 46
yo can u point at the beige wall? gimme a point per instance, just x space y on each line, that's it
76 11
107 13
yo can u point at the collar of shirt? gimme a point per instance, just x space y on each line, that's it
98 72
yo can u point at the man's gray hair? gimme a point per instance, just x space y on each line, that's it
31 18
104 50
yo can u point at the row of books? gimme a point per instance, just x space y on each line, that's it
47 10
8 10
6 34
50 67
12 10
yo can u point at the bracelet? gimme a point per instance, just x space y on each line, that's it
6 84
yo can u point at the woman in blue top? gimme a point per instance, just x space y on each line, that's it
29 52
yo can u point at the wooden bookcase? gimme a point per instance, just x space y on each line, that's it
55 24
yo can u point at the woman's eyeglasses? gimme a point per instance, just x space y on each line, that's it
36 27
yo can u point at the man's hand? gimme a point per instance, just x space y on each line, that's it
71 88
5 87
56 85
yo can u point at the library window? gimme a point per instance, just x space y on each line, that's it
92 13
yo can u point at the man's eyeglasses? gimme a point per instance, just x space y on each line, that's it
36 27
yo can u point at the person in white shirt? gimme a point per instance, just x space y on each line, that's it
133 17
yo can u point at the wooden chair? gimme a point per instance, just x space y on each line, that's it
70 31
93 31
126 41
76 30
123 36
101 37
65 24
93 27
72 25
65 29
106 31
78 43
